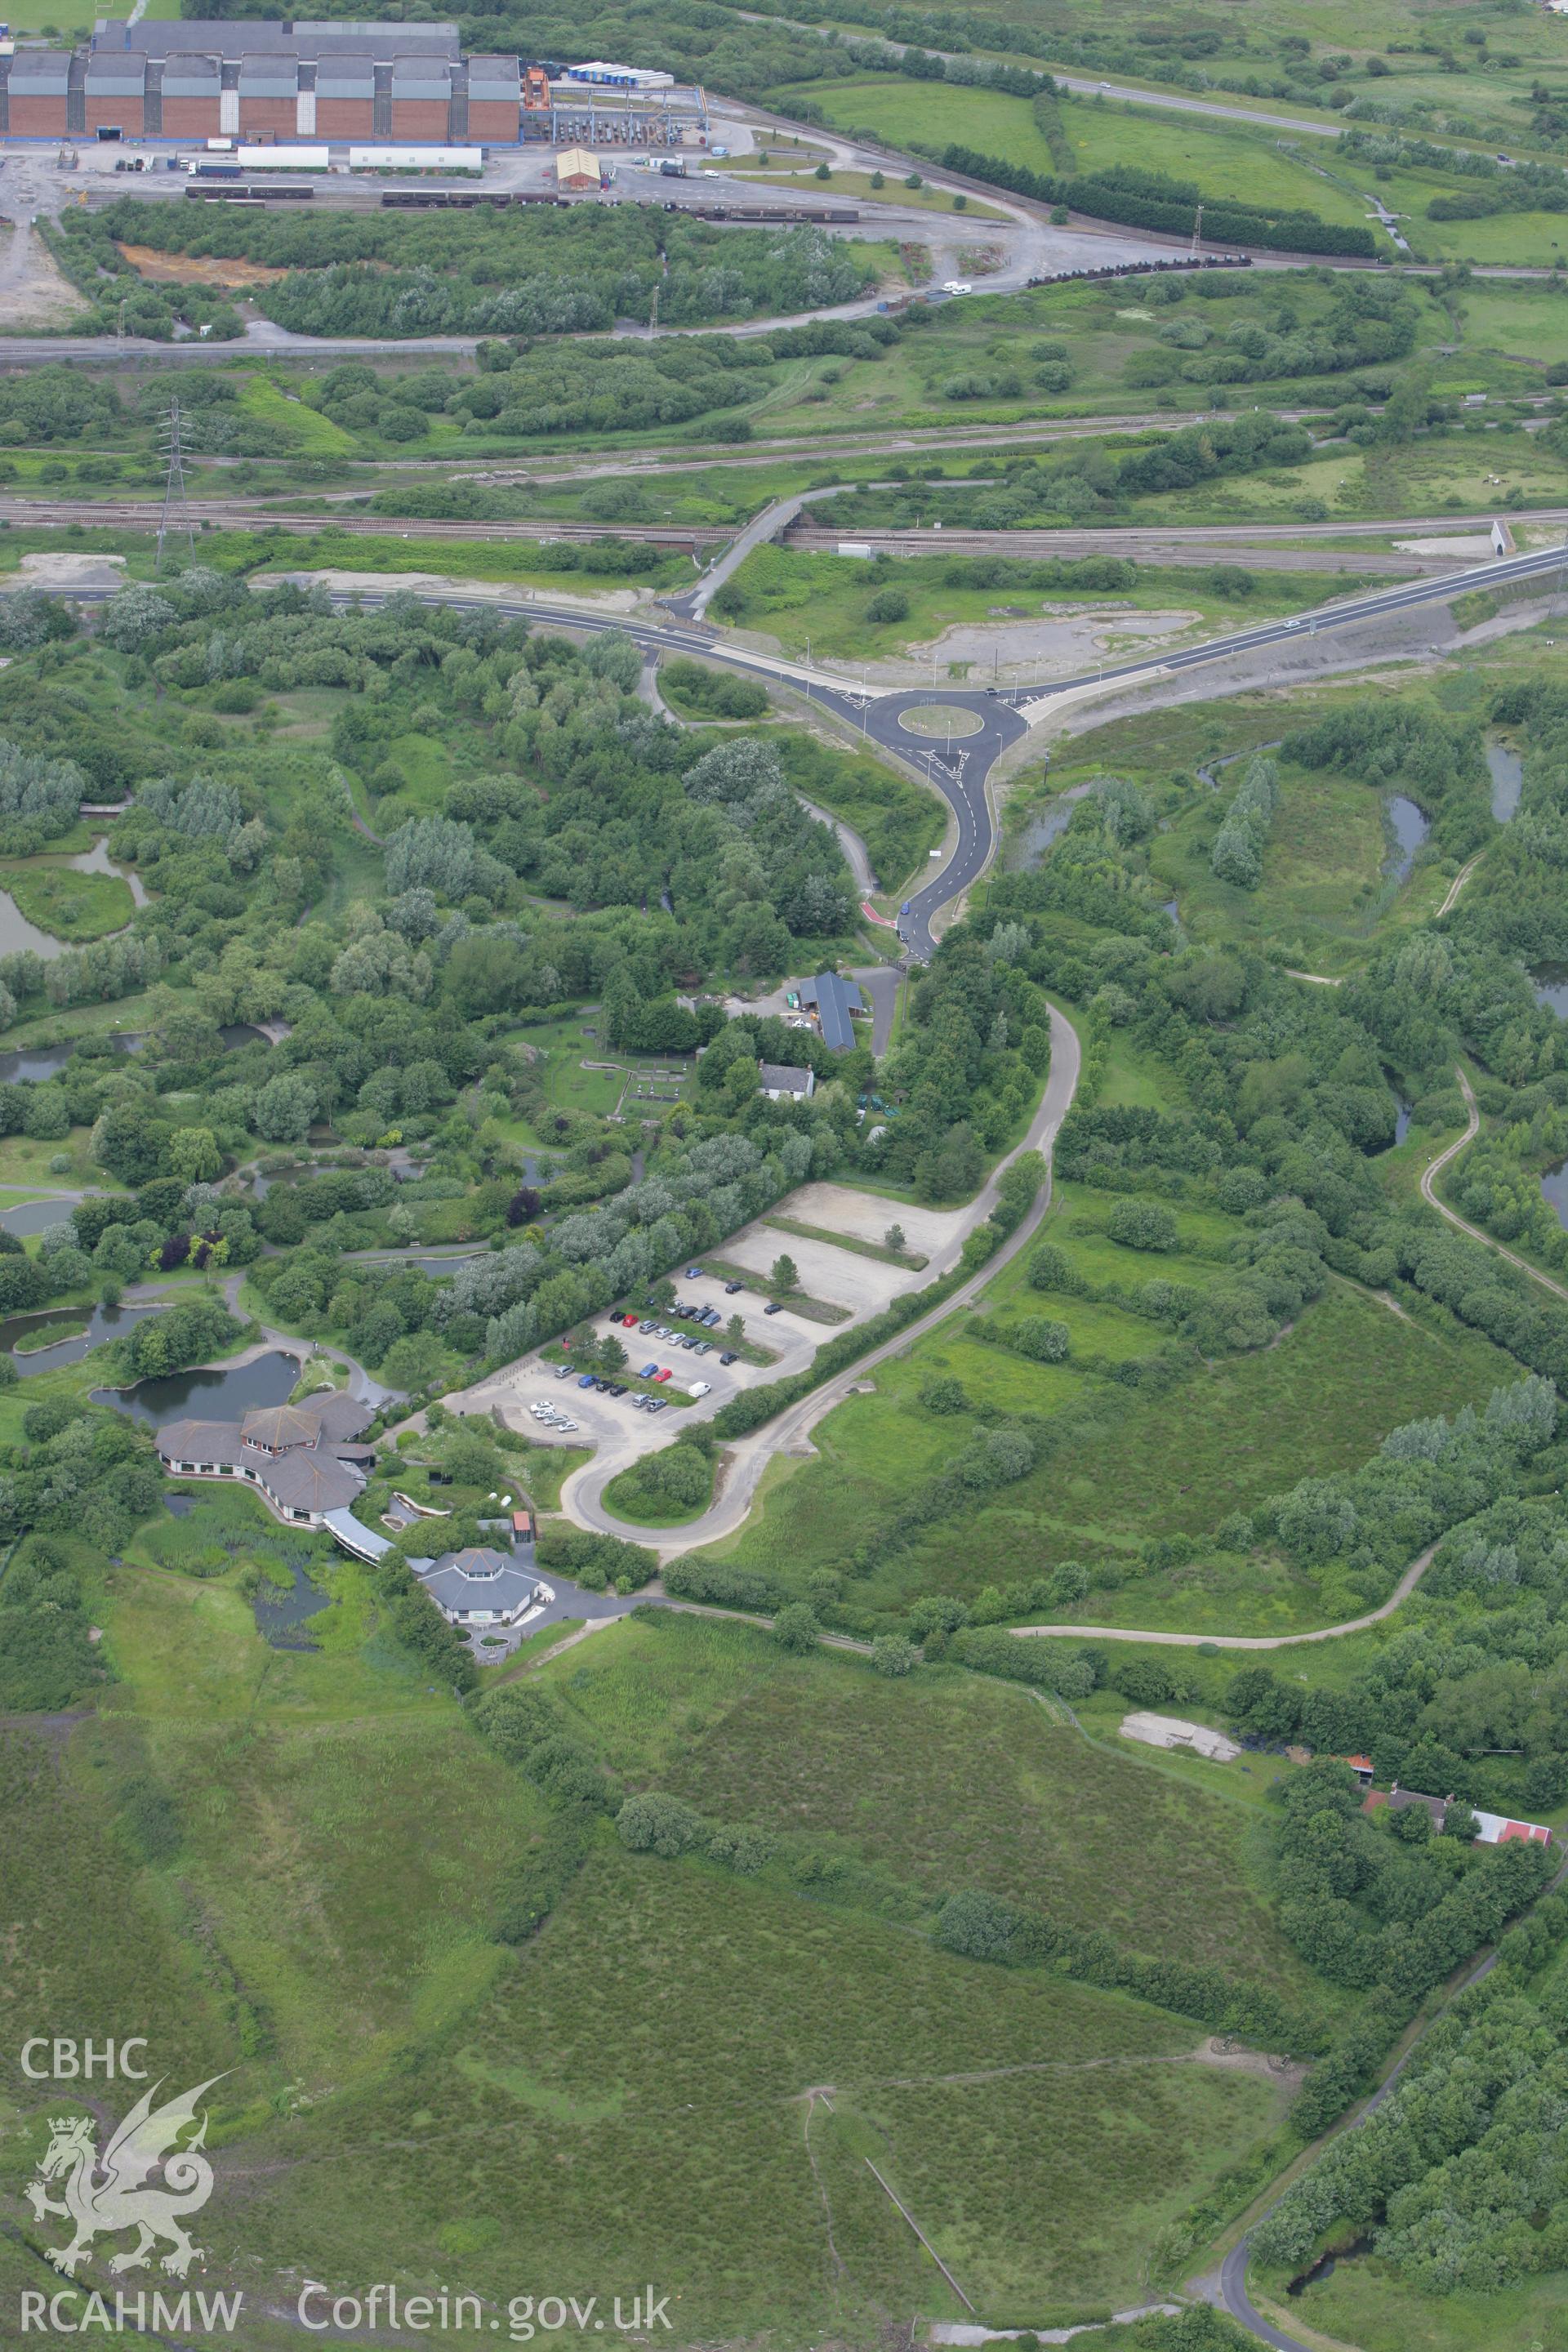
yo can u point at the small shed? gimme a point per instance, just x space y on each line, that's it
576 168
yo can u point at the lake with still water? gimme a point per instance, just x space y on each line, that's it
26 1330
219 1392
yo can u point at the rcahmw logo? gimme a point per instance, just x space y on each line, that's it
146 2174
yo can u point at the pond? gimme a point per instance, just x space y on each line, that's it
37 1216
36 1063
106 1323
16 931
1554 1191
1506 769
1401 1116
221 1392
1032 840
1326 2265
280 1615
1549 981
1410 829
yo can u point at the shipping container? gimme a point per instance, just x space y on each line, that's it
282 159
416 159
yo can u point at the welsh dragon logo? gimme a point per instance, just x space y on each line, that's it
113 2191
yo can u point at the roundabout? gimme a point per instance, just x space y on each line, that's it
943 722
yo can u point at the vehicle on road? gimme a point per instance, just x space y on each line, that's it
775 1307
956 286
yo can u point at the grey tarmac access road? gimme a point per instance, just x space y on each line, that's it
959 771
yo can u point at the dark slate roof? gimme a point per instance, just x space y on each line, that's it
305 1481
47 71
778 1077
274 1426
834 1000
477 1579
339 1416
201 1440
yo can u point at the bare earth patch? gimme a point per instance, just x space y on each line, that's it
466 592
63 575
197 269
32 291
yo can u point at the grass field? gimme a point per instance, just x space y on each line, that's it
946 1781
855 187
1324 899
320 1931
664 1991
798 597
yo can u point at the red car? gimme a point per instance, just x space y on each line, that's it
663 1375
630 1321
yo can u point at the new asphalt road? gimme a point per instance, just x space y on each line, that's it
958 765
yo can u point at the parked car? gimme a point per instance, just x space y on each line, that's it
732 1287
645 1329
775 1307
703 1348
694 1273
728 1357
712 1318
629 1322
647 1372
664 1374
700 1389
656 1404
585 1380
563 1371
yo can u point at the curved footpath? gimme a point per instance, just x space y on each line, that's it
1463 1224
1400 1592
582 1493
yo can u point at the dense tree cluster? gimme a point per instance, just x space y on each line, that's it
1239 843
1457 2176
488 272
